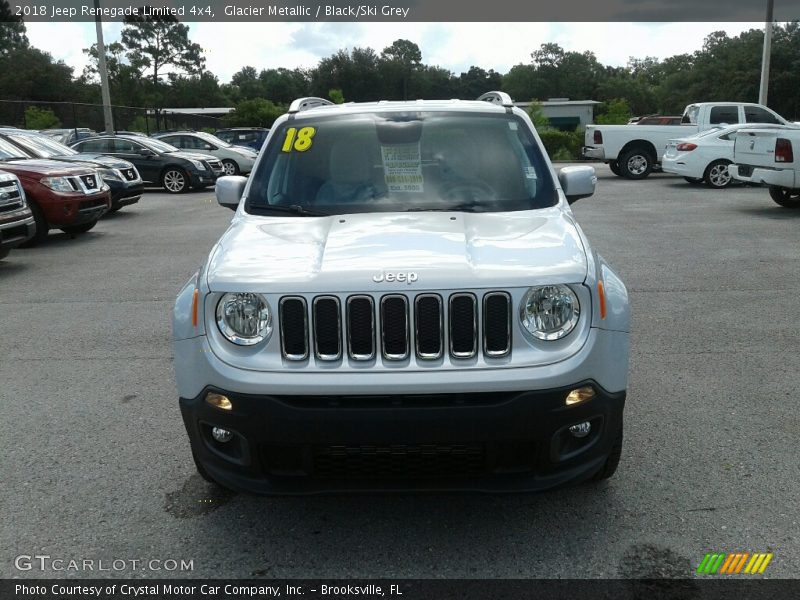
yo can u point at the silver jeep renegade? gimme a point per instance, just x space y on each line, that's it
403 300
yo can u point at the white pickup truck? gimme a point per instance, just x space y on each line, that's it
772 157
632 151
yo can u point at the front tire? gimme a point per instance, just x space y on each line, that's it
785 197
78 229
612 462
175 181
42 228
230 167
636 163
717 175
694 180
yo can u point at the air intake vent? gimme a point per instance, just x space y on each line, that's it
428 312
463 326
394 323
496 324
361 327
327 328
294 328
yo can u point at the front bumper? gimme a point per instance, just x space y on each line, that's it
489 442
202 178
72 209
16 228
784 178
124 194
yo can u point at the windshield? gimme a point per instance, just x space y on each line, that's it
402 161
212 139
9 150
157 145
41 146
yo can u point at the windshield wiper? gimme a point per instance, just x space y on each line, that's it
463 207
294 209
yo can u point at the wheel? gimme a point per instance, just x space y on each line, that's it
175 181
785 197
694 180
717 175
230 167
114 208
612 462
636 163
4 253
42 228
614 166
76 229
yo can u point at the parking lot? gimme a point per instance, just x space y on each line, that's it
96 462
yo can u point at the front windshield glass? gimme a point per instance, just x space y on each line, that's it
9 150
42 146
402 161
212 139
157 145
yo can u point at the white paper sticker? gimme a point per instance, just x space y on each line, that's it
402 167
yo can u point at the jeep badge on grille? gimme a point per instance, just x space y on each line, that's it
409 277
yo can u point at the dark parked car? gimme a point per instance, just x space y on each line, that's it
157 162
69 136
60 195
16 219
249 137
121 176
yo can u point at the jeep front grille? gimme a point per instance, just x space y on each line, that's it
397 325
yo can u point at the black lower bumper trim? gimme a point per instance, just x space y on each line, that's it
510 441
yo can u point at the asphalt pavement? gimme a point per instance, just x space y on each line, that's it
96 463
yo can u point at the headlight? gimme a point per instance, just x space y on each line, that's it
110 174
244 318
57 184
200 166
549 312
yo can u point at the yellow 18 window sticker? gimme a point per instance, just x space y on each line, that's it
298 140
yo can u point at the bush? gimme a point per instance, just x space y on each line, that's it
614 112
562 145
41 118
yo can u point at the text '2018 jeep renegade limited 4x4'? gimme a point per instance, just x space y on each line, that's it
403 300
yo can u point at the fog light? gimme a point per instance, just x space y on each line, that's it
223 435
219 401
580 395
581 430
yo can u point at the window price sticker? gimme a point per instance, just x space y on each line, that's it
402 167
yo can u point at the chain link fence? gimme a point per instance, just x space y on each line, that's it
68 115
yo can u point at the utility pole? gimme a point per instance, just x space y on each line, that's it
764 89
108 116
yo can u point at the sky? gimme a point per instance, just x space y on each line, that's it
231 46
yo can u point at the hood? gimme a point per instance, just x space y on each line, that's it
445 250
92 161
44 167
193 156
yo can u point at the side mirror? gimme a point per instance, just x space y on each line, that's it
230 190
146 152
210 147
577 182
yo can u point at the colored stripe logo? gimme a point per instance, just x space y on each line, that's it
720 563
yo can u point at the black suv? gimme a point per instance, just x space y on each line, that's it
121 176
157 162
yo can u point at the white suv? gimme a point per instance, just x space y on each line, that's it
403 300
235 159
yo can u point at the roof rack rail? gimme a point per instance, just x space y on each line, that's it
497 98
302 104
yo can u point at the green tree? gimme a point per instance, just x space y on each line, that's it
398 63
336 96
535 112
12 30
157 44
614 112
254 113
40 118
